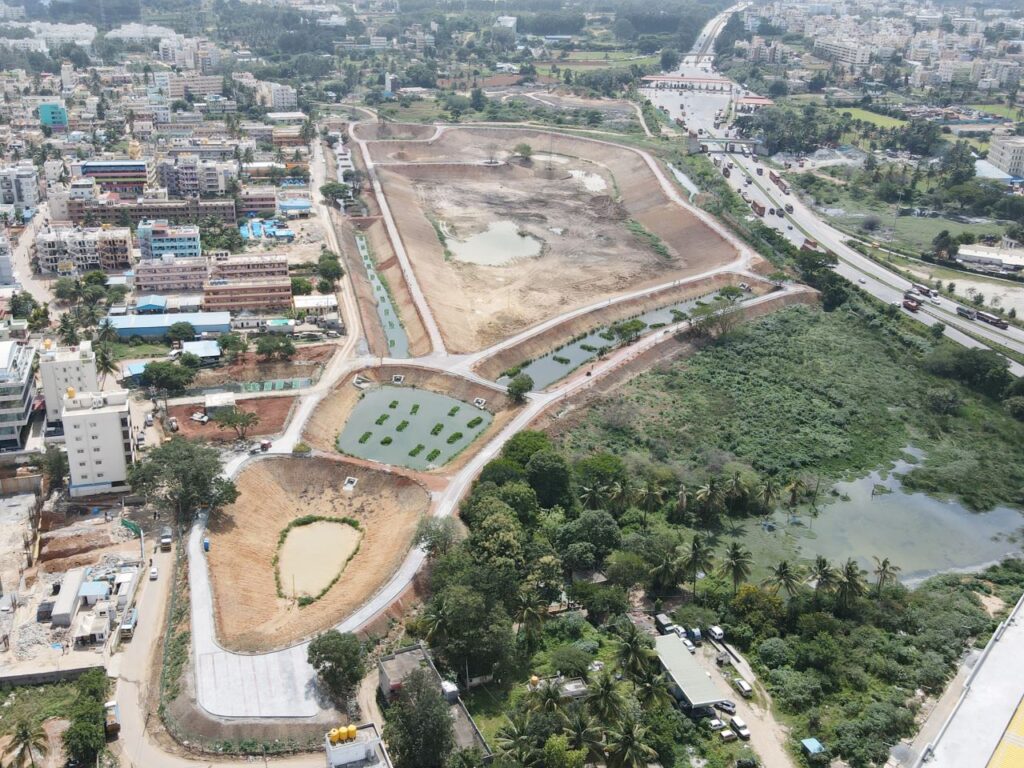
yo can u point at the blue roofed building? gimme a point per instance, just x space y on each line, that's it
156 326
53 116
152 304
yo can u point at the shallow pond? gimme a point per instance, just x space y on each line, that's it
412 428
496 246
394 332
875 517
312 555
555 365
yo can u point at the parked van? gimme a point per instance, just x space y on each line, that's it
715 633
131 618
743 687
740 727
662 622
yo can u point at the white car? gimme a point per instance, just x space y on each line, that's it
153 573
715 724
202 418
935 300
862 281
689 646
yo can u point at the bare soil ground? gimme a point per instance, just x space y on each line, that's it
393 131
273 413
249 615
588 251
249 367
304 249
322 429
492 367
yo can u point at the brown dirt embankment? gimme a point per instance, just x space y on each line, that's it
390 131
243 541
536 346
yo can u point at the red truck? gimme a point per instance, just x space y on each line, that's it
758 208
911 305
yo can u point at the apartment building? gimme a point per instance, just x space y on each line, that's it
277 97
159 238
190 176
76 250
257 266
175 86
259 201
63 367
170 273
6 260
112 210
132 177
849 53
1007 154
19 185
255 295
17 391
100 441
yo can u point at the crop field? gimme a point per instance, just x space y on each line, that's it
250 612
579 222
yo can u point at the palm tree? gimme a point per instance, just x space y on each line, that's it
698 558
768 493
106 333
27 741
649 497
547 698
619 494
709 496
514 739
593 496
885 572
530 613
823 575
850 584
735 491
67 331
736 565
603 699
666 572
634 653
795 488
651 689
682 502
785 576
105 362
627 745
583 733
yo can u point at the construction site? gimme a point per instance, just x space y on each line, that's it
506 227
256 595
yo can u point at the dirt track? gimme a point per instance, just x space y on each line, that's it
249 615
588 251
273 413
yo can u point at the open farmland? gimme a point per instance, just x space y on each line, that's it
250 615
596 216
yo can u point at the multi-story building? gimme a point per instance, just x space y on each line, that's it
190 176
63 367
257 266
17 391
171 274
160 238
113 210
76 250
19 185
99 439
175 86
127 176
846 52
6 260
247 295
276 97
258 201
1007 154
53 115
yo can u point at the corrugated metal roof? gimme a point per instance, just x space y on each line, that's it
160 321
686 672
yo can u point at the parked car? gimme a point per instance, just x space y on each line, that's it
689 646
738 725
715 633
715 724
154 573
743 687
149 419
729 707
727 735
199 416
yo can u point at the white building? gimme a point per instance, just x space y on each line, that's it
1007 154
99 440
277 97
71 250
19 185
6 261
846 52
17 391
61 368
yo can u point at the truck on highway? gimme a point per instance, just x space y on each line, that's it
166 538
758 208
773 177
924 290
967 312
911 305
995 320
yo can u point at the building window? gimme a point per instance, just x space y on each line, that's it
99 474
81 450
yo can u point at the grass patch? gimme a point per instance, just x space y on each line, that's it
454 410
561 360
454 437
436 430
417 450
882 121
393 404
365 436
640 232
124 351
433 454
474 422
415 409
401 427
381 419
386 440
34 704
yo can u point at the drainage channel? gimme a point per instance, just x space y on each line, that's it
398 341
